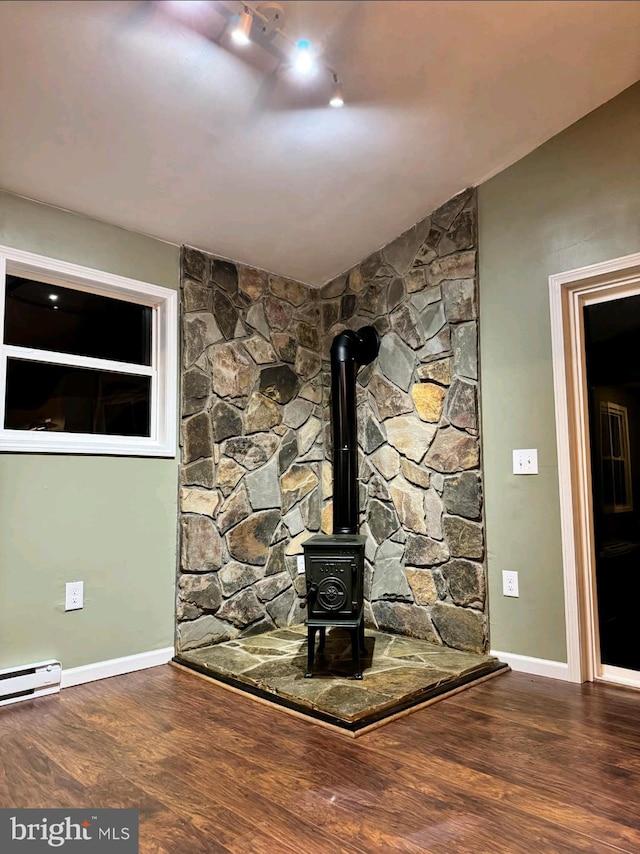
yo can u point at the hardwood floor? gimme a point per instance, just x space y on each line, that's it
518 764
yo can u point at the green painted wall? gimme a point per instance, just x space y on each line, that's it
109 521
574 201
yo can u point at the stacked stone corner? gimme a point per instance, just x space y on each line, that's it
256 455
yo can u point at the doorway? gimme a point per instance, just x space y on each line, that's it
612 356
595 322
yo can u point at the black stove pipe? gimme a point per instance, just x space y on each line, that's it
349 352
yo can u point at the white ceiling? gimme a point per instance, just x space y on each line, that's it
120 111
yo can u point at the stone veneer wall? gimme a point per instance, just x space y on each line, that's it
251 447
419 468
255 479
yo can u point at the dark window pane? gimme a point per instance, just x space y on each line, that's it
76 400
606 434
608 494
48 317
619 482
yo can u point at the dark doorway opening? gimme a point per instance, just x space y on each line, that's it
612 345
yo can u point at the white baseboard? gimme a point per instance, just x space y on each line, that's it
534 666
115 667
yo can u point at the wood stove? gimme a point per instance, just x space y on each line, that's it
334 564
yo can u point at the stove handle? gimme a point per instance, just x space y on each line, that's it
312 595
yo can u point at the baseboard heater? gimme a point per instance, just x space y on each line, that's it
29 681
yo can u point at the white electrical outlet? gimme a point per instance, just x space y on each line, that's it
525 461
300 564
509 583
74 595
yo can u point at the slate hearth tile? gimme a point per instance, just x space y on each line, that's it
296 687
292 633
223 659
385 665
278 645
337 642
451 660
405 680
439 656
342 669
349 701
271 651
406 646
265 672
376 643
436 651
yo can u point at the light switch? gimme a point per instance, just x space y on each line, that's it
525 461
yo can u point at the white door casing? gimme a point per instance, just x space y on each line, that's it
569 293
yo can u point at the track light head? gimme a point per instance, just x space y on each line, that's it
242 30
336 98
303 60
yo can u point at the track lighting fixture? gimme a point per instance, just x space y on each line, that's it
263 24
269 19
241 32
336 99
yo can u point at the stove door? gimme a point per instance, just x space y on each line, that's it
335 578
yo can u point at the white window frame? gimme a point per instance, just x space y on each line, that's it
619 413
162 371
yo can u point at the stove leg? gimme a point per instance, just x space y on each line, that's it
323 637
355 652
363 648
311 646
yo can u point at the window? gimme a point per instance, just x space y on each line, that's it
87 360
615 458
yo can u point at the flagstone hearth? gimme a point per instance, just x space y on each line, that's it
400 673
